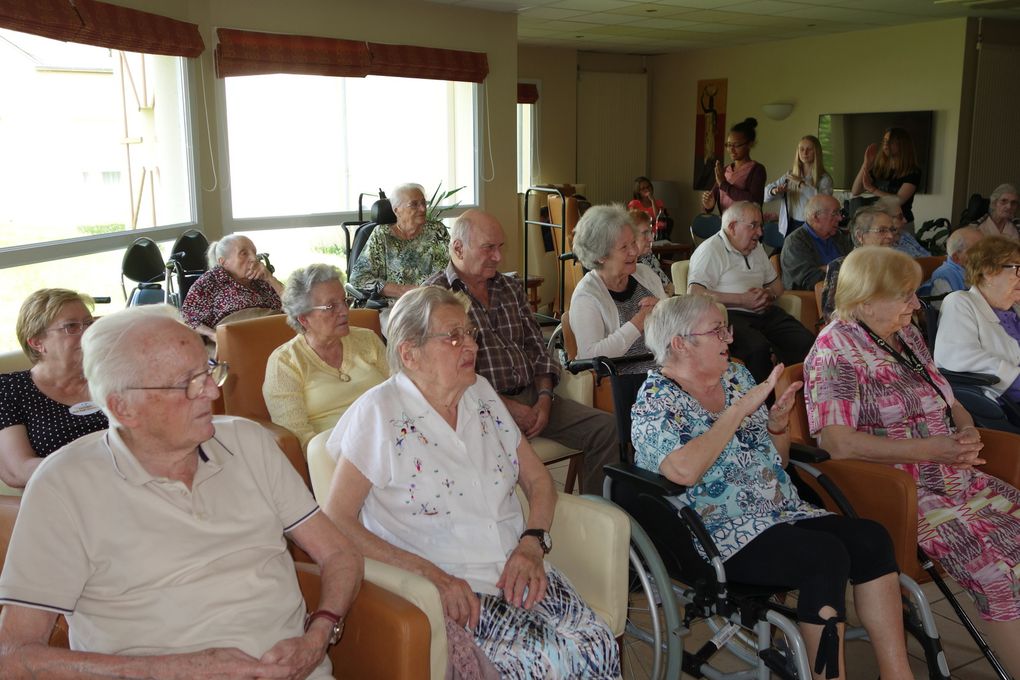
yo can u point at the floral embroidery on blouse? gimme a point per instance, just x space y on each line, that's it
407 428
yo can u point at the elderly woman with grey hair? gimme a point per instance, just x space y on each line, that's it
701 421
1001 218
398 257
312 379
237 280
872 225
428 464
609 305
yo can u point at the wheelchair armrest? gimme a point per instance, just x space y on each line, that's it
807 454
967 378
633 472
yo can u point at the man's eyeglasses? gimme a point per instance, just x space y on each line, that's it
885 231
74 327
1014 267
457 336
332 307
196 385
724 333
828 213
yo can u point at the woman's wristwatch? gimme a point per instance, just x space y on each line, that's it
544 539
335 619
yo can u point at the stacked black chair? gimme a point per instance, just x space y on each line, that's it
143 264
186 264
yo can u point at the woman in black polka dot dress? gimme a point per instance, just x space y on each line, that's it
44 408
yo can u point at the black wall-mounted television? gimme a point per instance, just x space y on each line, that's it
845 136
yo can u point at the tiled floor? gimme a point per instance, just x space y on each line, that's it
965 660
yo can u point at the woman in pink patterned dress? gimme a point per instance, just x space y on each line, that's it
873 393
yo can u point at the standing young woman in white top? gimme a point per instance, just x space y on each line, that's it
805 179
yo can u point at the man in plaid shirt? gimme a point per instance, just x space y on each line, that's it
512 353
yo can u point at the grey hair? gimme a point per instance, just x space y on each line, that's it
814 204
890 204
109 358
402 193
461 229
956 243
222 248
672 317
297 294
738 209
411 316
597 231
864 218
999 191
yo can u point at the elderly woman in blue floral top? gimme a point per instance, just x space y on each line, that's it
701 421
428 464
398 257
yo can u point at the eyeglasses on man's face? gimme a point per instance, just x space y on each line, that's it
1014 267
457 336
195 386
724 333
73 327
828 213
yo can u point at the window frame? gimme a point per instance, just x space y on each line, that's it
48 251
233 224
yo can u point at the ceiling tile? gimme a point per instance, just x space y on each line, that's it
763 7
550 13
651 9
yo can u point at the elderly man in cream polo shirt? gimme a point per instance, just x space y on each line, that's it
164 538
732 267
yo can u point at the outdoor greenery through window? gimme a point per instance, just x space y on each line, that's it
94 140
304 145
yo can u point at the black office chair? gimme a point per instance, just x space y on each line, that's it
186 264
381 213
143 264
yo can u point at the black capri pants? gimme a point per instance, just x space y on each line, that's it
817 557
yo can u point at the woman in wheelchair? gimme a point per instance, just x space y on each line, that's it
700 421
314 378
237 280
873 393
979 328
430 460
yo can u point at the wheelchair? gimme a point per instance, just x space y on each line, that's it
674 586
143 264
186 264
354 243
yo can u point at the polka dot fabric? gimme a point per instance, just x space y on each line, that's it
50 424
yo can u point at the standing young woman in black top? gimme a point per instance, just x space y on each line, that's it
891 170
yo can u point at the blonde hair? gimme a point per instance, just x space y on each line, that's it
638 217
986 257
39 310
818 167
872 273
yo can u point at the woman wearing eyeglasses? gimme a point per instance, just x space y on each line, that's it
398 257
700 421
979 328
428 464
312 380
872 225
874 394
48 406
743 179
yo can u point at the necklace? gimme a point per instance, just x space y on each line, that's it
343 377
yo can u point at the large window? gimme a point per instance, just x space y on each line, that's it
305 145
93 141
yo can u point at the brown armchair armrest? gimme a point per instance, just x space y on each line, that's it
385 636
1002 451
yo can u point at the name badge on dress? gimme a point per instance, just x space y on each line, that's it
84 408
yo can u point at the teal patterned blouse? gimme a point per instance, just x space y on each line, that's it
387 258
746 490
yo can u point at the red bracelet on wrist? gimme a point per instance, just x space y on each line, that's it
780 432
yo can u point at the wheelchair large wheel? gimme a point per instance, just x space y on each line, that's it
652 646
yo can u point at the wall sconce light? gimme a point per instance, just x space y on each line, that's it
778 110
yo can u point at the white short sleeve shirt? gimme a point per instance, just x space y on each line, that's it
717 265
443 494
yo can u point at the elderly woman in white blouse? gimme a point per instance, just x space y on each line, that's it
428 464
610 304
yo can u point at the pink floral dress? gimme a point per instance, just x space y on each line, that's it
969 521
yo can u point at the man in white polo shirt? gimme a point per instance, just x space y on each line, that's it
732 267
164 539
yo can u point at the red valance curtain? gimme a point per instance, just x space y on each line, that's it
527 93
247 53
408 61
99 23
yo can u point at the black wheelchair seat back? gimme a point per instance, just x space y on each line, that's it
143 264
187 263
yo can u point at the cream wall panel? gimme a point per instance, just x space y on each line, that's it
901 68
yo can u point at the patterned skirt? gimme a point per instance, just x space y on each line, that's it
974 532
559 637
